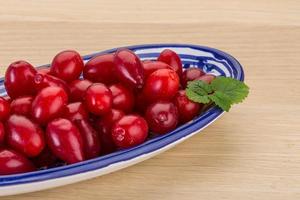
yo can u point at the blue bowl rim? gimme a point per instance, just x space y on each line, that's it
128 154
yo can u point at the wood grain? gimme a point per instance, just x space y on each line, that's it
250 153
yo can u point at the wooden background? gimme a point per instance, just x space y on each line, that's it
253 152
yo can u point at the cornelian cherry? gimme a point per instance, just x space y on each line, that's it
129 131
123 98
98 99
171 58
208 78
187 109
21 106
162 84
45 80
151 66
100 69
67 65
12 162
190 74
162 117
65 141
19 79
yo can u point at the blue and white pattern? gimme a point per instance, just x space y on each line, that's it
210 60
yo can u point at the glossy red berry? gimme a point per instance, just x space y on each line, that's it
129 131
104 125
21 106
19 79
190 74
129 69
64 140
162 84
24 136
98 99
171 58
90 138
4 109
162 117
42 81
75 111
208 78
78 89
49 104
2 133
152 66
67 65
187 109
100 69
123 98
12 162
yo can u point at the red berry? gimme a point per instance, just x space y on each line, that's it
21 106
2 133
19 79
24 136
171 58
129 131
162 84
90 138
98 99
4 109
123 98
152 66
49 103
64 140
104 125
45 80
78 89
187 109
208 78
67 65
75 111
162 117
12 162
190 74
129 68
100 69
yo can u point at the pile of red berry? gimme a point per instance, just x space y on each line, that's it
51 115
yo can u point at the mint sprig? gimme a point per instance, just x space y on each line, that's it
223 91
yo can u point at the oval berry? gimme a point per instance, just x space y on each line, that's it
19 79
100 69
187 109
24 135
129 68
129 131
49 103
67 65
4 109
78 89
75 111
208 78
162 84
98 99
104 125
64 140
190 74
21 106
162 117
12 162
123 98
171 58
90 138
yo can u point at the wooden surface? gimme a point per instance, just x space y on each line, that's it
253 152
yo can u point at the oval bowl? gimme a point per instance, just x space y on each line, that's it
209 59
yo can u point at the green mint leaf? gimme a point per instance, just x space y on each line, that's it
198 91
223 91
234 89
